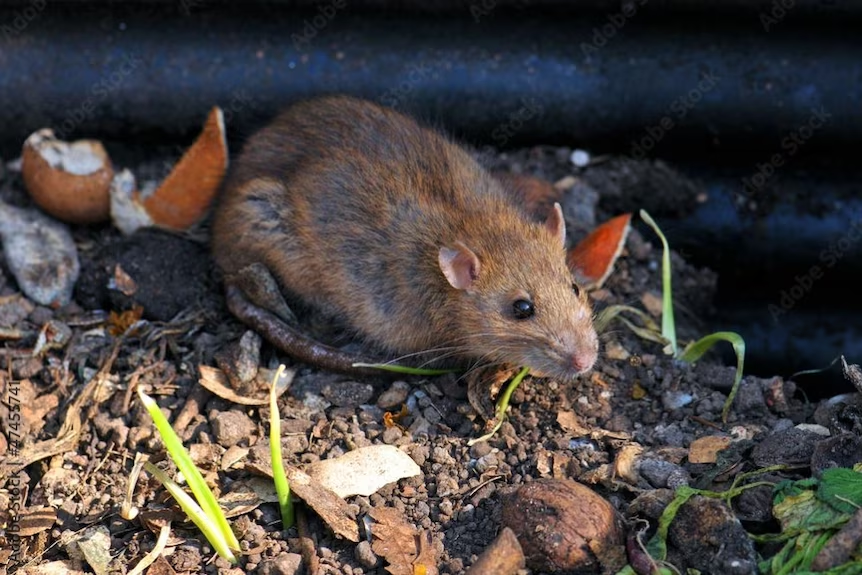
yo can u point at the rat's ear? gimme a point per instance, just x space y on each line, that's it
460 265
556 224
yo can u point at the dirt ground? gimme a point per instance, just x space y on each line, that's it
636 396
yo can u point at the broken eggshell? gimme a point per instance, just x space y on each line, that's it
69 180
185 195
40 254
593 259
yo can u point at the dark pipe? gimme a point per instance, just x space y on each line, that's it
140 72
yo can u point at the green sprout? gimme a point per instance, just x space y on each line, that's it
279 477
405 369
502 405
667 337
203 510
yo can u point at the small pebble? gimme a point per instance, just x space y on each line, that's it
231 427
392 435
284 564
580 158
365 555
394 397
348 393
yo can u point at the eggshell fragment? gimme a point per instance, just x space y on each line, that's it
128 215
185 195
593 259
70 181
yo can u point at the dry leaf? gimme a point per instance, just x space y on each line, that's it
624 463
64 567
569 421
391 419
705 449
217 382
406 549
593 259
852 373
331 508
503 556
123 282
483 385
118 323
36 520
652 303
365 470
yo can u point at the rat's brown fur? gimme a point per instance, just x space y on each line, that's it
349 204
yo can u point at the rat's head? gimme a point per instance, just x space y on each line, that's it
517 302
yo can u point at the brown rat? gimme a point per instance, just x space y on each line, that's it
361 213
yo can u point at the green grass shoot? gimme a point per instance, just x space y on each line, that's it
208 527
218 531
695 350
668 326
393 367
503 405
279 477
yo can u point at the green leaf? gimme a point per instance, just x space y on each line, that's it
204 522
193 476
279 477
841 488
668 327
695 350
803 512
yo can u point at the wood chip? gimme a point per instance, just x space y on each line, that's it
705 449
503 556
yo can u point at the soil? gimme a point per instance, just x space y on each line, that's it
636 395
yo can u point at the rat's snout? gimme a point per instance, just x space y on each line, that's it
583 359
583 351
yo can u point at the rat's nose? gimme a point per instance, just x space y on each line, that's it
582 361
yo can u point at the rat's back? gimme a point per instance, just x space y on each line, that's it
347 203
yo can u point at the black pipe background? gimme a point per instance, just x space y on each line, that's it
152 72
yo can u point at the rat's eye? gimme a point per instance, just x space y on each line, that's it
523 309
576 289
